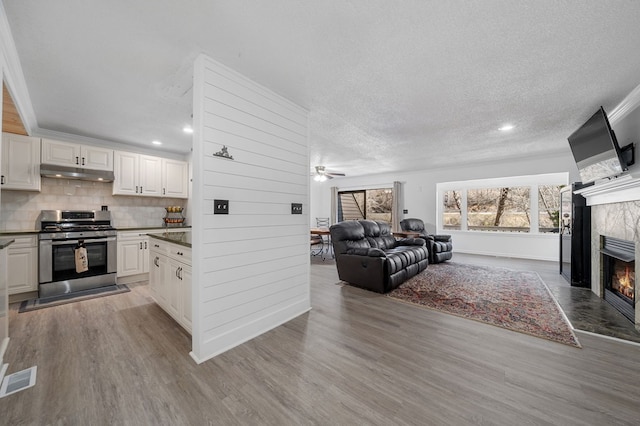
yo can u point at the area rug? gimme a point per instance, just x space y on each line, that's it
34 304
515 300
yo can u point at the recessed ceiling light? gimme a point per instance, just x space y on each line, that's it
506 127
187 129
156 143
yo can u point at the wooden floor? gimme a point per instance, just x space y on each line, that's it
356 358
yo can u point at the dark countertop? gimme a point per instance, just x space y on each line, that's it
148 228
181 238
26 232
5 242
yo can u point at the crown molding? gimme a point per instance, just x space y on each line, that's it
628 104
13 75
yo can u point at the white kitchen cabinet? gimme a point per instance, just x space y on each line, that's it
150 176
133 253
158 275
20 162
185 293
22 269
170 280
74 155
175 178
137 174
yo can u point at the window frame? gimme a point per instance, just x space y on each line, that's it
531 181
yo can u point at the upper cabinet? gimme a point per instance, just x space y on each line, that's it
145 175
74 155
175 178
20 162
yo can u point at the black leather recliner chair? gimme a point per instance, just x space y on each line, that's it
368 256
440 246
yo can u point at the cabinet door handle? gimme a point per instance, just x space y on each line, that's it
140 245
145 245
77 160
155 245
136 189
155 261
2 180
83 161
180 273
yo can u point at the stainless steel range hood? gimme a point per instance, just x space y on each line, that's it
54 171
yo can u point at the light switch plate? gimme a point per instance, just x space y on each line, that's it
220 206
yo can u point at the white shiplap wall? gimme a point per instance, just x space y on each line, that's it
250 267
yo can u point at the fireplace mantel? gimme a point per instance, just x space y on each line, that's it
618 190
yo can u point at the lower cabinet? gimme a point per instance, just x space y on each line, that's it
170 280
22 265
133 253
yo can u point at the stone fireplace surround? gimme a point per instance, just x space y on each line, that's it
615 212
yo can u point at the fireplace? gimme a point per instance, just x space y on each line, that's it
618 274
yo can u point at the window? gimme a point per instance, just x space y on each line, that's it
373 204
526 204
452 211
499 209
549 208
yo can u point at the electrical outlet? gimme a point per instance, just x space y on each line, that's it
220 206
405 211
296 208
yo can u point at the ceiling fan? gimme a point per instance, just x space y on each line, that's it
321 174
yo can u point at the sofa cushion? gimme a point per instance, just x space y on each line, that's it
401 257
348 235
378 234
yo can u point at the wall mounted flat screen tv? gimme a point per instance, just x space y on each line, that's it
596 150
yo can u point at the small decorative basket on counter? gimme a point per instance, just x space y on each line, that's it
174 216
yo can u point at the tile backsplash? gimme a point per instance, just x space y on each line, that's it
19 210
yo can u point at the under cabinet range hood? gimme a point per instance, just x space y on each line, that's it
55 171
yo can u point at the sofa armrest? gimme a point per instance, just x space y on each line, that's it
444 238
411 242
369 252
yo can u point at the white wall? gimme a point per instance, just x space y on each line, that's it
420 201
250 267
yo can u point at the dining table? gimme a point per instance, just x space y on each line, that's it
326 240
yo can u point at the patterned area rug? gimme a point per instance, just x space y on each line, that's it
515 300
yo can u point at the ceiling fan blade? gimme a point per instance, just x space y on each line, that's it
336 174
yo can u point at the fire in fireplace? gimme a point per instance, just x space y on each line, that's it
619 274
623 279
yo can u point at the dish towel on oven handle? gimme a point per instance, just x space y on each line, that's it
82 263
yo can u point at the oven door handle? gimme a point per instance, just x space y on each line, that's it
85 240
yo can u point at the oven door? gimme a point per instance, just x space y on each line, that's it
57 258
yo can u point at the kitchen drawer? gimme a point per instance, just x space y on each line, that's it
25 241
180 253
131 235
158 246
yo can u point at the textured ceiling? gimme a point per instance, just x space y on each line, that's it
390 85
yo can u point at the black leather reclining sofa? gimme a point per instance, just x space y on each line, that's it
368 256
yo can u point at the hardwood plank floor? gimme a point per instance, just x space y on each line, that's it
356 358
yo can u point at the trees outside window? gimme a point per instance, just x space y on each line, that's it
517 204
373 204
452 209
549 208
499 209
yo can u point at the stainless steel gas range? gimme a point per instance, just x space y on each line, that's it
61 233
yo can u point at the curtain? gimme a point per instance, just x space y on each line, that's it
334 202
396 208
